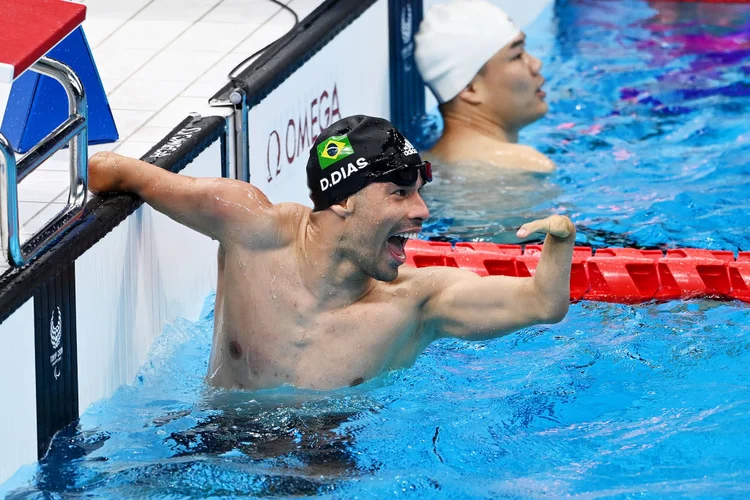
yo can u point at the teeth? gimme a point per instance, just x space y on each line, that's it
406 236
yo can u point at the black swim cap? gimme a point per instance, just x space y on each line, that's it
356 151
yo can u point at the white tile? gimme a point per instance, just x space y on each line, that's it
263 36
111 83
250 11
178 110
145 35
120 63
58 161
28 210
218 74
98 29
134 149
4 94
303 8
145 94
45 214
113 9
176 10
150 134
215 80
110 146
43 185
128 121
213 37
177 65
205 89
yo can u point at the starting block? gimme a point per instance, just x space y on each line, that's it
48 109
29 30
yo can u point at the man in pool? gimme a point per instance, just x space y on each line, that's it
316 298
472 56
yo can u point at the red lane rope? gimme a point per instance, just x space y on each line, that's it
709 1
625 275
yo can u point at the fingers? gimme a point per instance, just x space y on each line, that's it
537 226
556 225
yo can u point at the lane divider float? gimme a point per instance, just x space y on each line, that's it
624 275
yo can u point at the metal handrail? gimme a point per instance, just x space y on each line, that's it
9 206
73 132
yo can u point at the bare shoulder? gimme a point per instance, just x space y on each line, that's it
251 219
530 159
278 226
475 150
292 215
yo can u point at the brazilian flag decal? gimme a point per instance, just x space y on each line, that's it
335 148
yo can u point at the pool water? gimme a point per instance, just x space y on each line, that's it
648 126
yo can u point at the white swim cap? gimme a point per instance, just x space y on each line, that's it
456 39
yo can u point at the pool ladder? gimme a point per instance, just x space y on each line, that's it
72 132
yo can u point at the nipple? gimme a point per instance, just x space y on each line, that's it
235 350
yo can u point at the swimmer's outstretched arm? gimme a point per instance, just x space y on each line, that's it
219 208
467 306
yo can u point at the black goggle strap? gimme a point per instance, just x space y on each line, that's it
407 173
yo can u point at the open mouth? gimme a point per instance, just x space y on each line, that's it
396 244
539 91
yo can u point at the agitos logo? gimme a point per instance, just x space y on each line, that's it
55 339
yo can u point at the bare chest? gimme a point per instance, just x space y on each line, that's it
269 333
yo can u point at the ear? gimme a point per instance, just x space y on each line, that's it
344 208
472 93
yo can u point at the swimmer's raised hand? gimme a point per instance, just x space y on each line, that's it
464 305
557 226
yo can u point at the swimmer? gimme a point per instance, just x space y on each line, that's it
318 298
473 58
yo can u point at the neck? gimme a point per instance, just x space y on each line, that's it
461 124
327 273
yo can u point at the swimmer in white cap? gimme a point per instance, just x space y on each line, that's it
473 57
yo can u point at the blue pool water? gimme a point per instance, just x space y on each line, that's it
649 127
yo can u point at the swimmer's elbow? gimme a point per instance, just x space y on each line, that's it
558 314
554 311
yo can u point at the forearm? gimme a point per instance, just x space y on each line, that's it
184 199
552 276
110 172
